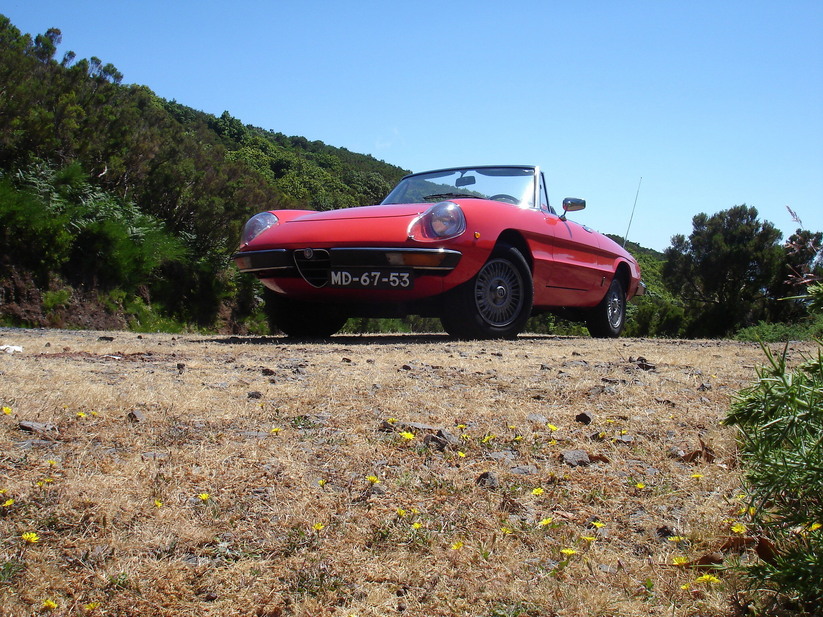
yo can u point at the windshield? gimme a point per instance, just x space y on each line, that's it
514 185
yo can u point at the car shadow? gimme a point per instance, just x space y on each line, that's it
359 339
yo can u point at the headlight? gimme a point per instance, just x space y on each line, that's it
256 225
443 220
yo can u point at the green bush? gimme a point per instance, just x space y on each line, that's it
780 418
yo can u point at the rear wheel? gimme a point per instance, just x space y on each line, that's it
607 319
495 303
299 319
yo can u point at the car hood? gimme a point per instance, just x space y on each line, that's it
362 212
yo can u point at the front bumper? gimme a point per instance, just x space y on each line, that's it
314 265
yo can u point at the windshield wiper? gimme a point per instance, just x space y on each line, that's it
450 196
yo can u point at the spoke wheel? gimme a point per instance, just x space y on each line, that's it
498 293
495 303
607 319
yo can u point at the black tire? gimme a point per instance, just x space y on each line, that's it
495 303
607 319
302 319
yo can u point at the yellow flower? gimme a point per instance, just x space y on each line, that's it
461 427
7 410
204 497
707 578
588 538
552 427
456 546
91 606
158 503
697 475
30 537
679 560
639 485
275 430
487 438
537 491
400 512
373 479
598 524
568 551
407 435
461 454
685 587
676 539
545 522
8 503
318 526
51 463
815 526
507 531
322 482
739 528
417 525
392 420
49 605
3 491
81 415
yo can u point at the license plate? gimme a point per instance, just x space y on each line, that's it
371 279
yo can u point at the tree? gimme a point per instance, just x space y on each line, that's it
726 272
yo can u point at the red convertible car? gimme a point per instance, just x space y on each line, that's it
478 247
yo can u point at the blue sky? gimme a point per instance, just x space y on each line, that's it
713 104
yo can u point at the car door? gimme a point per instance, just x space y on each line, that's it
568 261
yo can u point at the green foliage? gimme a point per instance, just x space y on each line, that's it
110 187
767 332
726 271
53 300
780 419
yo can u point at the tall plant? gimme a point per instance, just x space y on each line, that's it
780 418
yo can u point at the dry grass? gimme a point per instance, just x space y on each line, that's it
245 485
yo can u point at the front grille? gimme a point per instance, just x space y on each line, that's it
313 265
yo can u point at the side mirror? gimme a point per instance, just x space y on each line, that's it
572 204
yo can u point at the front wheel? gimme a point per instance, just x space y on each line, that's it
607 319
495 303
302 319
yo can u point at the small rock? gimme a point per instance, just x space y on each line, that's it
36 427
180 368
524 470
575 458
105 338
154 456
537 418
135 415
255 394
487 480
435 442
584 418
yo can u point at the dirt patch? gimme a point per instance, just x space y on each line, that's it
380 475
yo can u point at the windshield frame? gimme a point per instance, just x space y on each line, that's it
530 196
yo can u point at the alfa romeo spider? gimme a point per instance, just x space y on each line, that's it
480 248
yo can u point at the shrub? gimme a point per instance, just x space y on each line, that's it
780 418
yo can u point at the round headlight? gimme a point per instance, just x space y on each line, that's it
256 225
445 220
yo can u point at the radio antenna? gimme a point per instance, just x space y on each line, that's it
631 218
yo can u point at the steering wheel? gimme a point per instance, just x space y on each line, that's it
505 197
